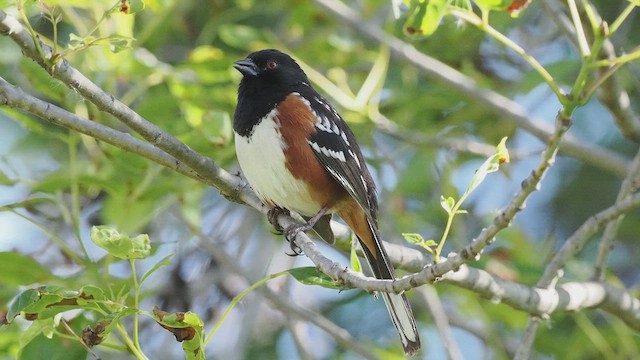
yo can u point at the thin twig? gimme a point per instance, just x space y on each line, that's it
436 309
529 335
341 336
629 185
15 97
583 45
579 238
75 80
501 105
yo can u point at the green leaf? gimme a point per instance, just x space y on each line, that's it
493 4
447 204
46 301
118 43
18 269
121 246
417 239
490 165
430 243
312 276
424 17
187 328
413 238
37 328
38 345
355 261
159 264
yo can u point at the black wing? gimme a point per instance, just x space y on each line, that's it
335 147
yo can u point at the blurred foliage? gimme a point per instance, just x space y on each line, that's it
177 73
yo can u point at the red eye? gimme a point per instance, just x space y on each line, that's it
271 64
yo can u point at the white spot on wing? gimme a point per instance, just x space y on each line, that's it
354 158
344 137
327 152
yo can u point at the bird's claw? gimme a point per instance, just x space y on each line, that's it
272 216
290 234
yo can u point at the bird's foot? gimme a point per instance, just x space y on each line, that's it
290 234
272 216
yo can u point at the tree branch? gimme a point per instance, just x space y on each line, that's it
571 296
15 97
629 186
205 167
452 269
579 238
612 95
341 336
501 105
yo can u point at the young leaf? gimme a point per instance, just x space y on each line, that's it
118 43
429 243
355 262
187 327
413 238
159 264
119 245
447 204
47 301
490 165
417 239
424 17
312 276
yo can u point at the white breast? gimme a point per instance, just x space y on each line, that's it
262 160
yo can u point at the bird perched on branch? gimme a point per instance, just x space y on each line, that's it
299 155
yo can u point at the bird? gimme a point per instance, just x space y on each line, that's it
298 154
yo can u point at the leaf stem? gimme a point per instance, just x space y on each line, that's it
136 301
473 19
623 16
635 54
577 23
237 299
127 340
53 236
72 144
34 36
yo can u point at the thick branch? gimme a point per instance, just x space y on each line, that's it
516 295
228 184
571 296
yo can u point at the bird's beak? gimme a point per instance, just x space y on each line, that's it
246 67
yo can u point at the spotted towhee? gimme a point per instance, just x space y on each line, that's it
298 154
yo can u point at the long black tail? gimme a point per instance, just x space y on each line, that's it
397 304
